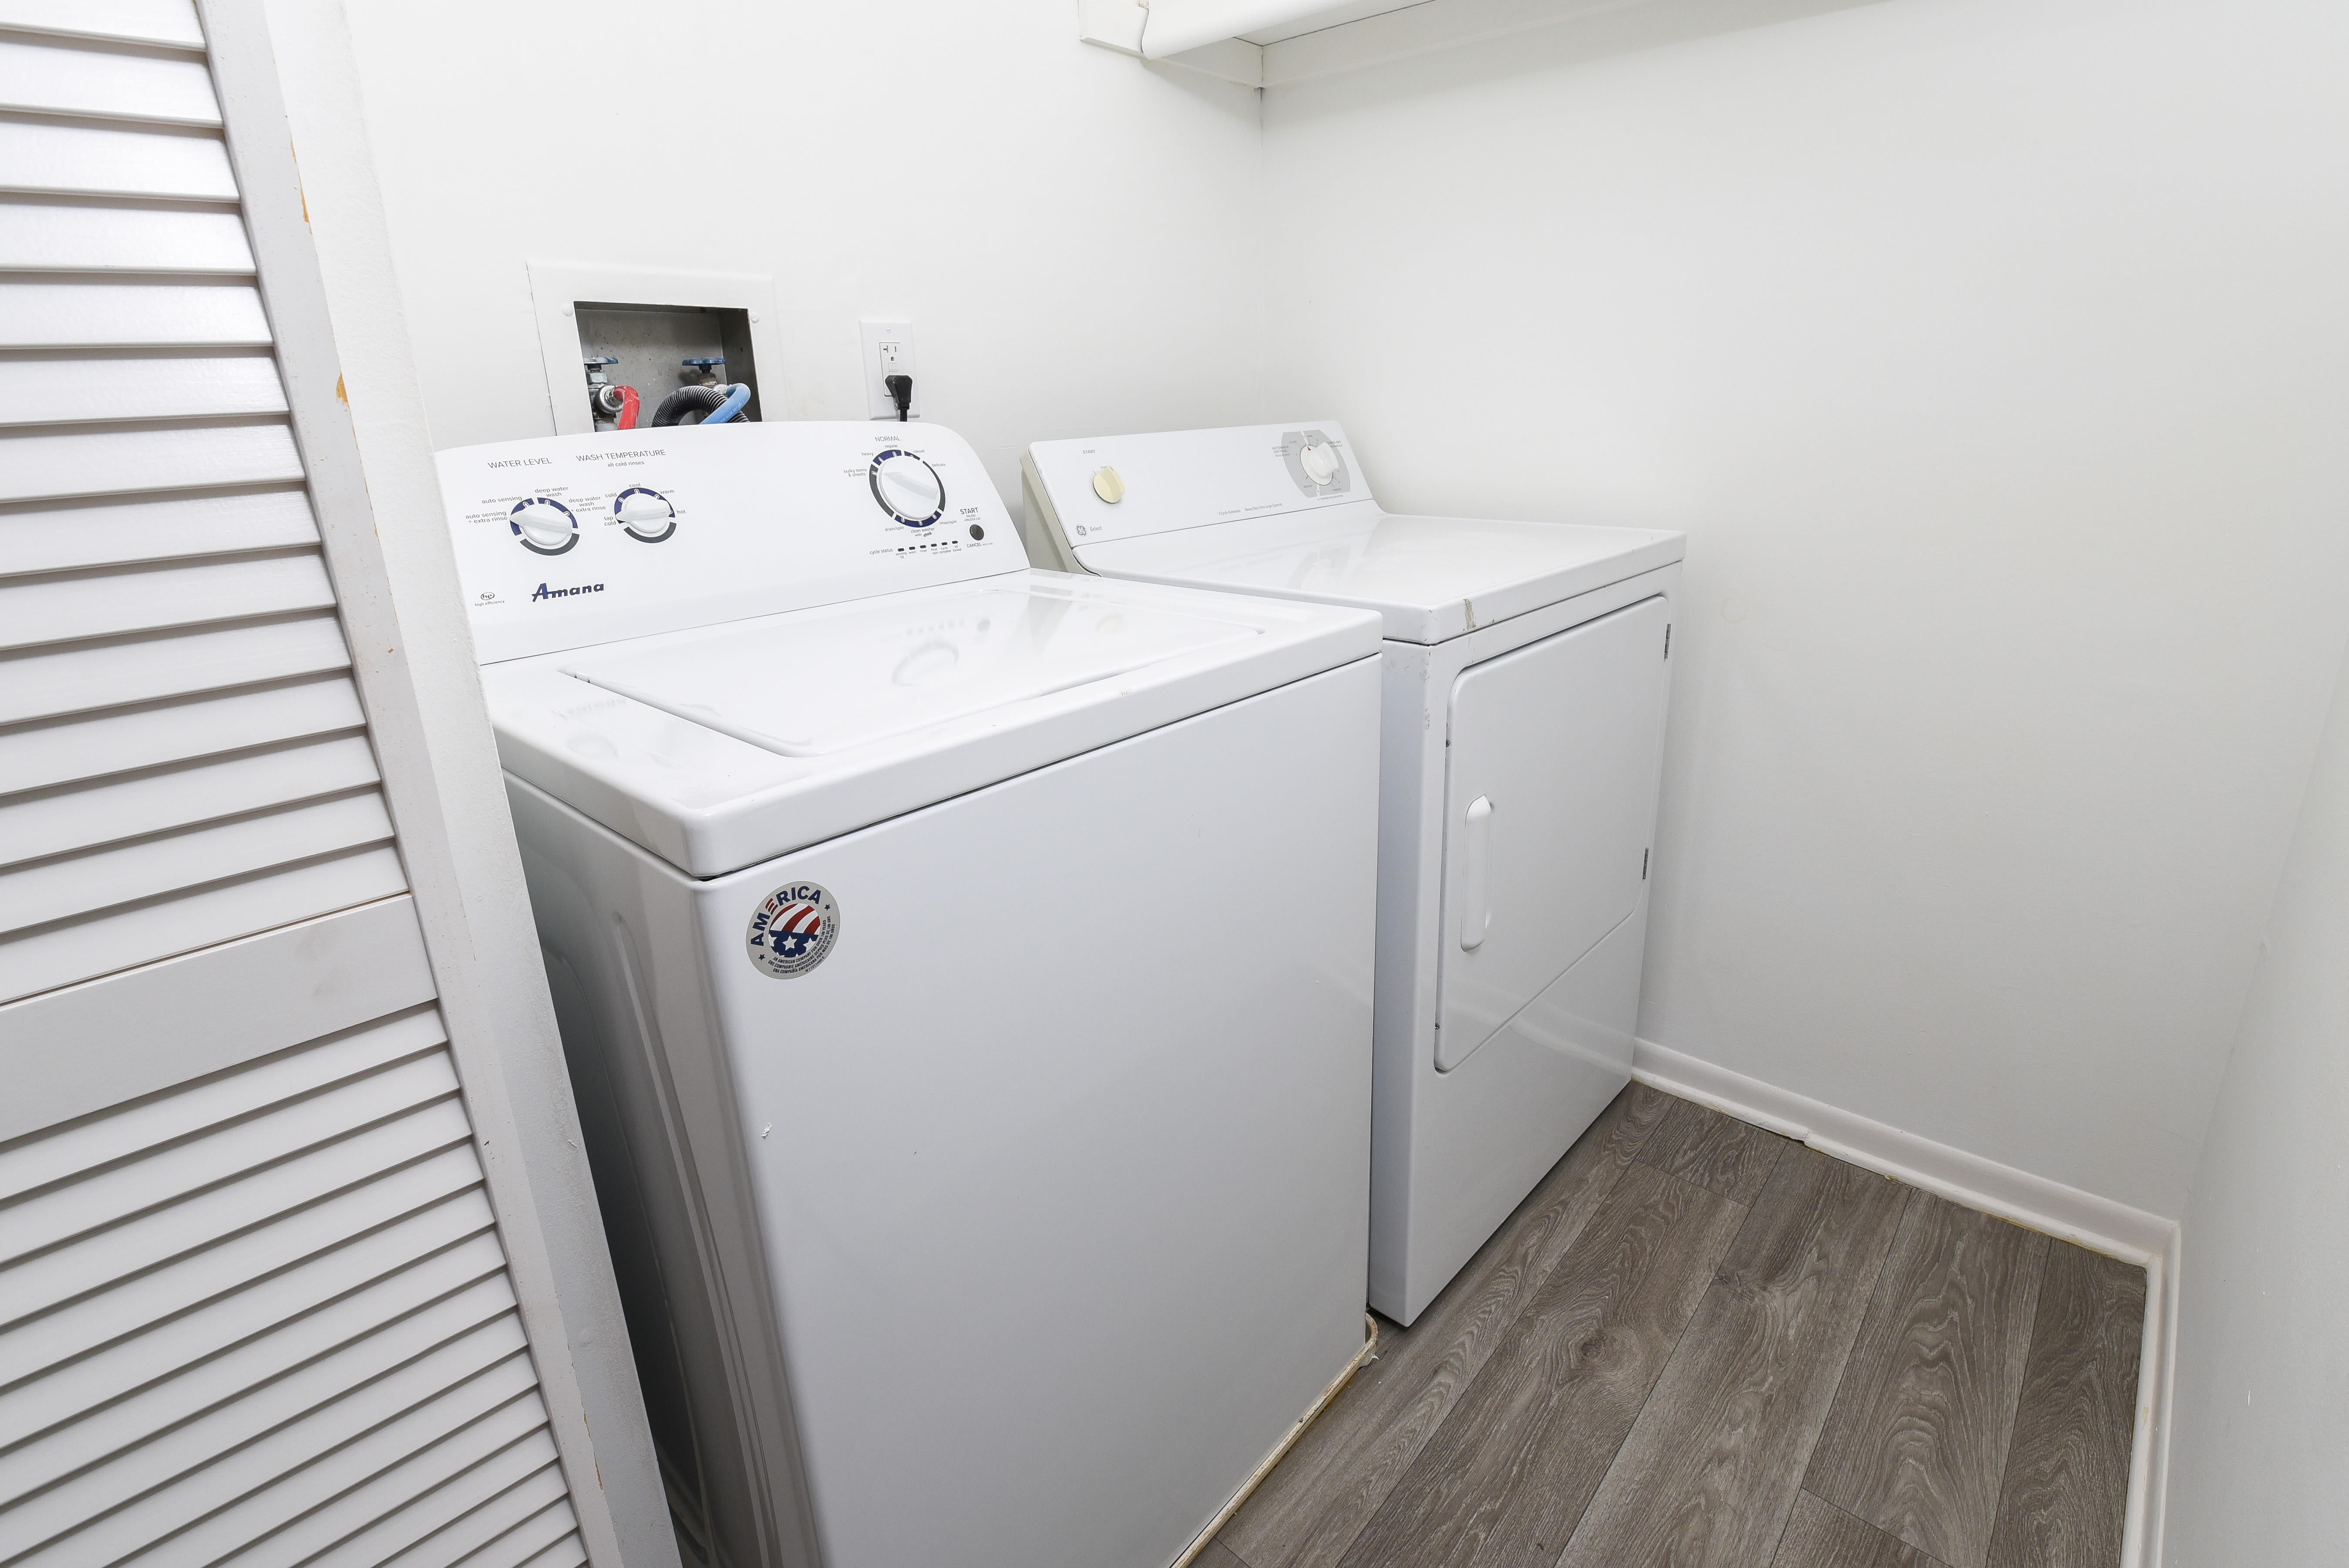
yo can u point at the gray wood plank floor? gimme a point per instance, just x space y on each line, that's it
1697 1343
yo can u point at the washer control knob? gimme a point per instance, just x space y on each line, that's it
1109 484
908 489
544 525
1319 461
646 514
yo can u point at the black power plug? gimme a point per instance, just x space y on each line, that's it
901 392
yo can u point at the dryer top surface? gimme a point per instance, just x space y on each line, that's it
1284 509
1430 578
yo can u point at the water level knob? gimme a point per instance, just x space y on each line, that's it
544 524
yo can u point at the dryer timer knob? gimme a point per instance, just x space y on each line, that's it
1320 461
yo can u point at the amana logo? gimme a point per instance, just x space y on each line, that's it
793 930
546 592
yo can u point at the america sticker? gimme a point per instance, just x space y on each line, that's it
793 930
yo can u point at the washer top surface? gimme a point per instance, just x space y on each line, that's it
811 685
1280 509
808 629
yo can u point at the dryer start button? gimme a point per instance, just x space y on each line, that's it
1109 485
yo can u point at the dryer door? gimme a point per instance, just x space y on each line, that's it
1550 804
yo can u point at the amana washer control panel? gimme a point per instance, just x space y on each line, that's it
565 540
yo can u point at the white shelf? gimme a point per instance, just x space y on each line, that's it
1297 42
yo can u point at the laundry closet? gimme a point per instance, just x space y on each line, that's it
1216 782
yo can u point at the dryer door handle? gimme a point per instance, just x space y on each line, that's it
1476 876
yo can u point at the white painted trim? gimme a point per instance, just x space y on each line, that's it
357 413
2098 1224
2162 1355
556 287
206 1012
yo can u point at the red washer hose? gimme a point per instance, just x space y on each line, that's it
627 407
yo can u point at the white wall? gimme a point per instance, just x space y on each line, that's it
1987 349
1075 235
2261 1424
1990 352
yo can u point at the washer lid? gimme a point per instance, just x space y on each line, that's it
810 687
719 747
1429 578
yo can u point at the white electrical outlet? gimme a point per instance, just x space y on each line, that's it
888 351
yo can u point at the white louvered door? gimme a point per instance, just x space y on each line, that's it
254 1305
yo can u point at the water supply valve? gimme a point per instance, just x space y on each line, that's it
613 408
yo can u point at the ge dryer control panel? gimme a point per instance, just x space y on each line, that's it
1125 487
565 540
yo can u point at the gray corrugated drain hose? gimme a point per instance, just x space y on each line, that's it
688 405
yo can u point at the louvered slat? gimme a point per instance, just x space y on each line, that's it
427 1490
483 1315
168 22
149 1240
315 1304
73 608
49 392
292 1471
46 78
70 236
75 1151
44 685
330 1351
51 891
567 1553
76 537
163 927
49 755
536 1540
497 1495
146 1300
131 315
118 462
350 1486
99 1202
57 824
99 160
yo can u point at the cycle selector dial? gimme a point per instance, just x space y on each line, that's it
908 489
646 513
544 525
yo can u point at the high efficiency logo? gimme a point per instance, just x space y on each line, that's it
793 930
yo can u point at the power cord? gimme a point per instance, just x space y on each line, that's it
901 392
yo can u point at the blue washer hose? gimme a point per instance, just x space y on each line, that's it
735 397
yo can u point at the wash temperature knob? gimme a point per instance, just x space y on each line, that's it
646 513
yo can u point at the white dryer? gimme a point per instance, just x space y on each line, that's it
966 977
1525 678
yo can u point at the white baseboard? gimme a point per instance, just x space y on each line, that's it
2098 1224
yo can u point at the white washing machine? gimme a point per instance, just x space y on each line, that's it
966 975
1526 669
